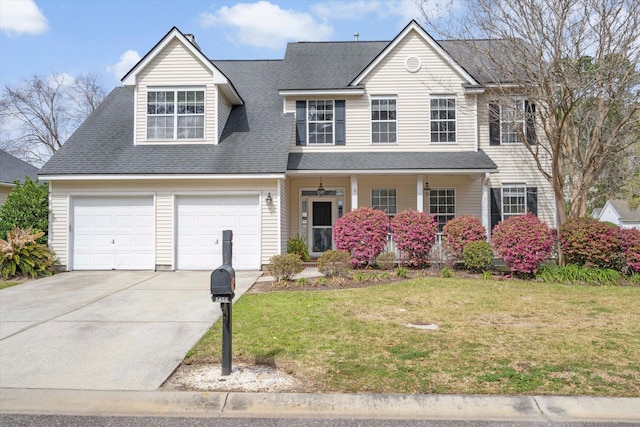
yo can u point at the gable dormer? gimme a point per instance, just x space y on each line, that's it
180 96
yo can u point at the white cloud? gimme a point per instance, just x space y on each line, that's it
405 10
126 63
263 24
361 9
22 17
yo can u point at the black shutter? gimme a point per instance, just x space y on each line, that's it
530 109
532 200
340 122
301 122
494 124
496 207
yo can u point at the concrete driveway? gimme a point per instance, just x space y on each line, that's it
104 330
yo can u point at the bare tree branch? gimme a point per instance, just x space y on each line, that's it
37 116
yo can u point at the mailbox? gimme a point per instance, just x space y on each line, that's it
223 284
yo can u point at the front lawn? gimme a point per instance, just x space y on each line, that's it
494 337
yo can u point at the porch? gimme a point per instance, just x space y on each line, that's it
317 201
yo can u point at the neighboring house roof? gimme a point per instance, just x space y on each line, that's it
104 142
595 213
627 214
443 161
12 169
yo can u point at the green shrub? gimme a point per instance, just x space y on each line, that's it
334 263
447 272
26 207
298 245
283 267
386 260
402 272
578 275
21 254
477 255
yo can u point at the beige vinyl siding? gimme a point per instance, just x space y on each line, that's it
516 164
176 67
224 109
468 192
165 192
413 92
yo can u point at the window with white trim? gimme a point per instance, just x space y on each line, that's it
514 201
442 205
443 119
175 114
384 199
512 121
383 120
320 120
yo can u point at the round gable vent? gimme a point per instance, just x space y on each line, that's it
413 64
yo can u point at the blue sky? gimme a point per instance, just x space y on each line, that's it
108 36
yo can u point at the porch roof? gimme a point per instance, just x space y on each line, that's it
384 162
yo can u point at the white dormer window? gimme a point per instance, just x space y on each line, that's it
175 114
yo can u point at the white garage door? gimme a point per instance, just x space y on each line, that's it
200 222
113 233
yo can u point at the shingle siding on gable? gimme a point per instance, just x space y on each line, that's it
175 67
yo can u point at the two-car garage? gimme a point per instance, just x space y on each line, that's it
121 232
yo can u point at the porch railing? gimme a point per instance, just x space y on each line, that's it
391 245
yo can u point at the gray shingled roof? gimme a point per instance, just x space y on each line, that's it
326 65
333 65
624 210
12 169
427 161
255 139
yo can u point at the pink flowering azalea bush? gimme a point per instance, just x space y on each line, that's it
362 232
523 242
630 248
591 243
460 231
414 234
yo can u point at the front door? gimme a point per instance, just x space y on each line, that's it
321 231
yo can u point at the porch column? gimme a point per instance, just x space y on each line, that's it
354 192
485 203
419 193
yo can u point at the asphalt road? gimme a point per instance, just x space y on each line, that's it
73 421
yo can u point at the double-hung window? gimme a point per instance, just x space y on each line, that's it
320 121
514 201
383 120
384 199
442 205
175 114
443 119
512 122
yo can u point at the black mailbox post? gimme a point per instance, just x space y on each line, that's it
223 286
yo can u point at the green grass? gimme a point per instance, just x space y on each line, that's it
495 337
4 285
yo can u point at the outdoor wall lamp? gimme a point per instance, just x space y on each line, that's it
427 189
320 189
269 199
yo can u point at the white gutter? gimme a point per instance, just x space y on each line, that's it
392 172
156 177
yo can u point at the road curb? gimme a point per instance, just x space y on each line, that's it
302 405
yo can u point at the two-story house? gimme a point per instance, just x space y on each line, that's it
274 148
